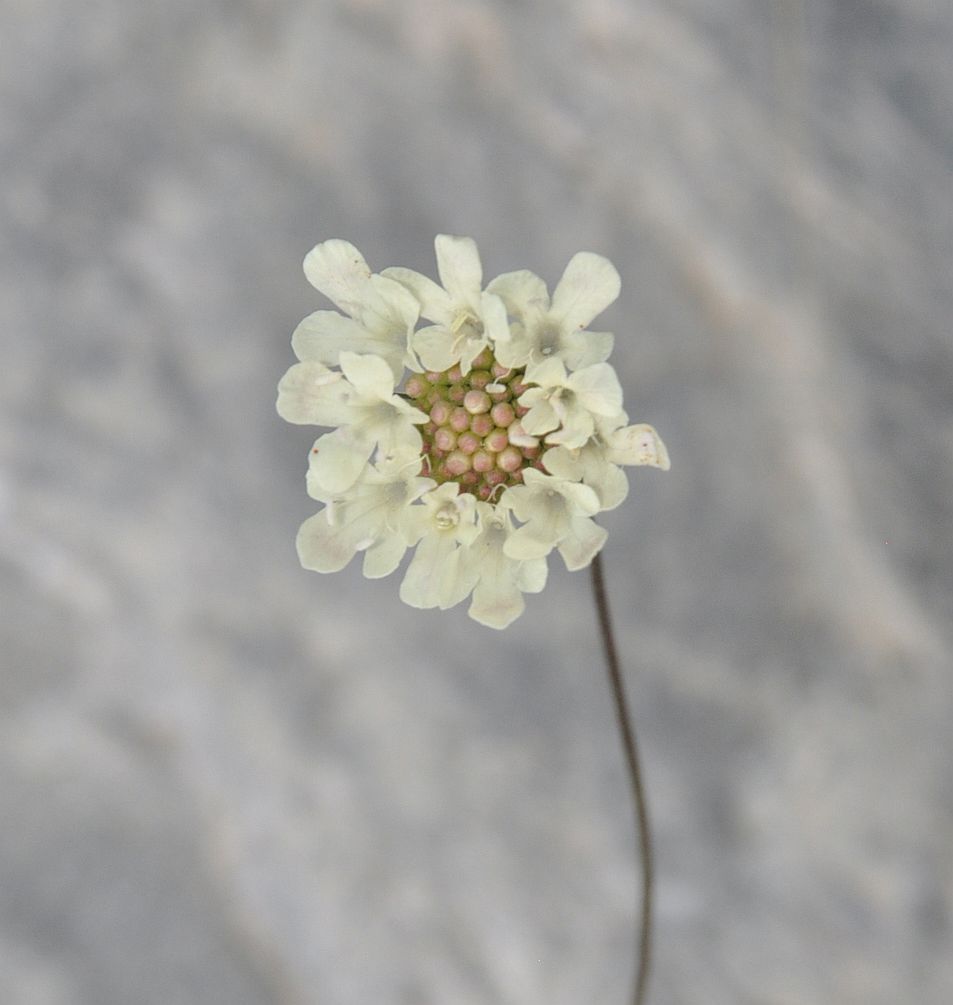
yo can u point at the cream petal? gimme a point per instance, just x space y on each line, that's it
639 444
459 268
515 354
369 374
338 459
434 347
323 335
532 574
583 348
577 427
582 544
311 394
496 603
435 302
540 419
587 287
323 548
550 372
383 557
338 270
612 487
533 540
422 585
562 463
523 292
598 389
414 522
390 306
581 498
495 324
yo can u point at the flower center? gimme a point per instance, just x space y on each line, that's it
447 517
474 436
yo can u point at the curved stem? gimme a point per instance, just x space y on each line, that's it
635 779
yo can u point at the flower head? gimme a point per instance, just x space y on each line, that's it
483 440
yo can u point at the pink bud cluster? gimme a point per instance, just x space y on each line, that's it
474 436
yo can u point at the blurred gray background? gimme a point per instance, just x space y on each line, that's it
225 780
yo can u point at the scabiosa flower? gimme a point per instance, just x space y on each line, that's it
484 440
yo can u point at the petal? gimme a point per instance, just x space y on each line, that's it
369 374
496 602
390 306
434 301
516 353
523 293
583 542
563 463
612 487
598 389
541 418
311 394
382 558
323 334
494 318
583 348
550 372
458 264
531 577
434 347
533 540
576 428
421 586
582 499
639 444
338 459
338 270
323 548
587 287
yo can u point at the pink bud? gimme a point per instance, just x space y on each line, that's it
496 440
483 461
502 413
481 425
476 402
509 460
467 442
459 420
440 412
457 463
445 438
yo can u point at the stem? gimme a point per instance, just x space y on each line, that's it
635 780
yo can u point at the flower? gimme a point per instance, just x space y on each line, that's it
483 440
467 320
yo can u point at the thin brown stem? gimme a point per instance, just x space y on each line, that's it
635 780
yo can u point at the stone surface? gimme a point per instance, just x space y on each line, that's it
223 779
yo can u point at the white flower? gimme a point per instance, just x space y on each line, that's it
596 463
498 595
565 405
439 574
382 312
556 328
555 514
361 401
466 319
370 517
504 441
